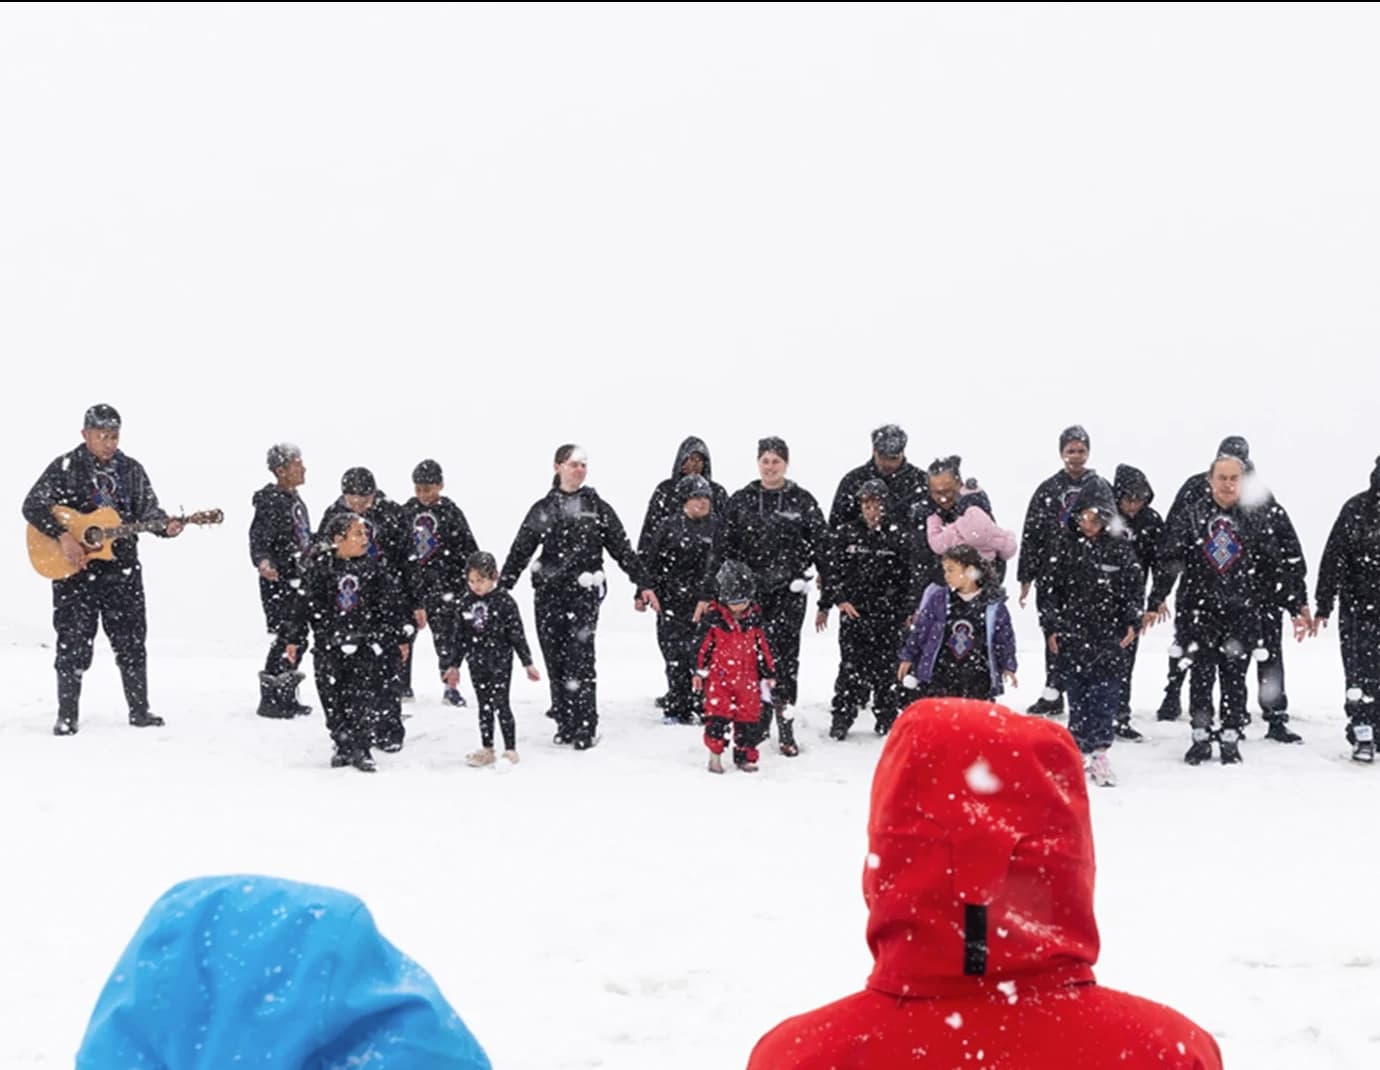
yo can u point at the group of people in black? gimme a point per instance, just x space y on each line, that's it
912 558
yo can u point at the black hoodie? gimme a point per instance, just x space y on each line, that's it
778 534
388 536
666 503
573 531
1045 517
1350 566
1096 584
905 487
1145 530
280 532
79 481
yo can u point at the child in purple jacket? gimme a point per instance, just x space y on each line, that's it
961 644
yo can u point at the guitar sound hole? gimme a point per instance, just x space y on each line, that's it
93 538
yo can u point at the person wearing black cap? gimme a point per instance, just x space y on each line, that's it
1091 615
441 543
387 531
1274 701
905 484
1349 577
1045 518
279 540
777 529
573 527
107 594
868 575
1143 528
680 561
1227 560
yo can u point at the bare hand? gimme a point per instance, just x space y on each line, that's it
404 649
267 571
290 652
1129 638
649 596
697 683
533 674
1025 593
846 608
451 677
821 620
72 550
700 608
1054 644
903 670
1303 625
1010 678
173 528
1319 623
640 604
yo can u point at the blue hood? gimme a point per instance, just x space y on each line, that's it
256 971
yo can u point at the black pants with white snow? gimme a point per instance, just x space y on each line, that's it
1123 710
783 615
1360 642
746 736
1220 654
867 666
676 631
492 688
566 623
354 690
1269 674
280 609
1053 681
108 594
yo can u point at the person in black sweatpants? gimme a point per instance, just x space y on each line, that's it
388 544
869 577
487 630
101 593
680 561
573 526
1230 563
1143 528
356 606
1350 574
279 537
776 528
441 543
1046 518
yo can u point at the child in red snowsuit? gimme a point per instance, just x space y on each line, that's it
734 669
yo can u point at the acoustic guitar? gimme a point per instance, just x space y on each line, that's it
97 532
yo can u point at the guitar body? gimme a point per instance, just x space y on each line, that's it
46 554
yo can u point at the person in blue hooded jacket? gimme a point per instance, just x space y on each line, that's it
258 971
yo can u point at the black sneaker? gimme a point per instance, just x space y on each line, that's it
364 762
65 726
392 746
585 744
883 728
1044 706
660 702
1230 747
1280 732
785 737
145 720
838 731
561 739
340 759
1200 752
1363 751
1169 710
1125 731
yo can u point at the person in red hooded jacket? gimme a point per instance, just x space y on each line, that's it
979 886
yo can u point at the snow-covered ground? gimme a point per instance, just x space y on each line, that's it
623 908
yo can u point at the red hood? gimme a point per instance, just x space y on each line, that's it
974 807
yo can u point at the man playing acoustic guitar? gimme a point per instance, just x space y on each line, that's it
102 592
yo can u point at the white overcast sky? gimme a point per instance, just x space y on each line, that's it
474 232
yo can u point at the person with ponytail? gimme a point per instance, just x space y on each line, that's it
962 644
573 526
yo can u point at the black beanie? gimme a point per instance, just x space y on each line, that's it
688 487
1076 433
358 481
101 417
873 488
735 583
1234 446
776 445
889 440
427 471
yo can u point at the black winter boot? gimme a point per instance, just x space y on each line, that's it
1230 747
1049 704
271 698
1201 751
1280 732
785 733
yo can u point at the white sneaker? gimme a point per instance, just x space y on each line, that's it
478 758
1099 769
716 764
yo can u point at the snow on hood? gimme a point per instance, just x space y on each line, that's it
980 866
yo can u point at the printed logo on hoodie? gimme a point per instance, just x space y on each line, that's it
301 530
425 541
104 488
1223 547
347 593
961 639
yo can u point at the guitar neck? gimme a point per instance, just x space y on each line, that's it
139 527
